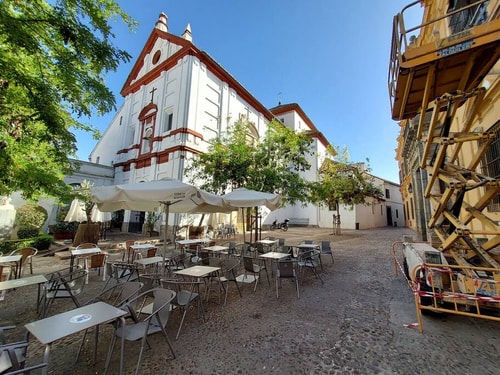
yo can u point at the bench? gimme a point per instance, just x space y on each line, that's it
299 221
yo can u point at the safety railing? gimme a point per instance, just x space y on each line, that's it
452 289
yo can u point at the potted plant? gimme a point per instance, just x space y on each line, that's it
63 230
87 231
151 220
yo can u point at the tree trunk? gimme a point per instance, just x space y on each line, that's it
86 233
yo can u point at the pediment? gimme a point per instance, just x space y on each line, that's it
158 50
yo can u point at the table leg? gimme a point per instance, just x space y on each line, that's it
46 359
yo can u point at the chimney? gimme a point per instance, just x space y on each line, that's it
187 33
161 24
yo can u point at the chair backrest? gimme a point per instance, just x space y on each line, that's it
118 294
151 252
281 242
259 247
97 260
129 243
25 252
161 306
309 258
122 271
285 269
148 282
86 245
248 264
183 288
229 268
325 246
308 242
12 356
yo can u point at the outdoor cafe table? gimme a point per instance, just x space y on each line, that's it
84 253
25 281
193 241
198 272
274 256
268 243
153 261
137 248
8 260
56 327
216 248
304 247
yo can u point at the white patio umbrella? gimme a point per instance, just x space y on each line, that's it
244 198
76 212
174 195
99 216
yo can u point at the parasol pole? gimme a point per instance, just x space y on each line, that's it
243 225
166 208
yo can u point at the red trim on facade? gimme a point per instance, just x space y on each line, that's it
161 157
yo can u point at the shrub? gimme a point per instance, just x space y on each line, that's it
65 227
31 216
27 232
42 242
6 247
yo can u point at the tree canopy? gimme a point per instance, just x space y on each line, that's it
343 182
270 164
53 57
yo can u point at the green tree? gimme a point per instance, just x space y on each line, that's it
83 194
343 182
271 164
53 58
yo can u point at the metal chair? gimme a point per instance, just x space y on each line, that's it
98 261
63 284
250 265
310 260
27 254
121 271
116 295
128 253
86 245
187 294
141 329
326 249
13 359
286 269
229 275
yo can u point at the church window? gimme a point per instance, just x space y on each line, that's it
156 57
168 121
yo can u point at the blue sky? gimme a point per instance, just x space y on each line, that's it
331 57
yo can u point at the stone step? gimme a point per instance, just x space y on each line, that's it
62 255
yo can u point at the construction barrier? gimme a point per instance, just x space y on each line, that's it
463 290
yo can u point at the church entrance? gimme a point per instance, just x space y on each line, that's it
136 221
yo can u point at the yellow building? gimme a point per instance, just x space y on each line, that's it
444 87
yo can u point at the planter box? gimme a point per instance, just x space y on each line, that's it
63 236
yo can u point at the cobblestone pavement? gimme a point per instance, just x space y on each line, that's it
354 323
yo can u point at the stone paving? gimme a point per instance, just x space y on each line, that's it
354 323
